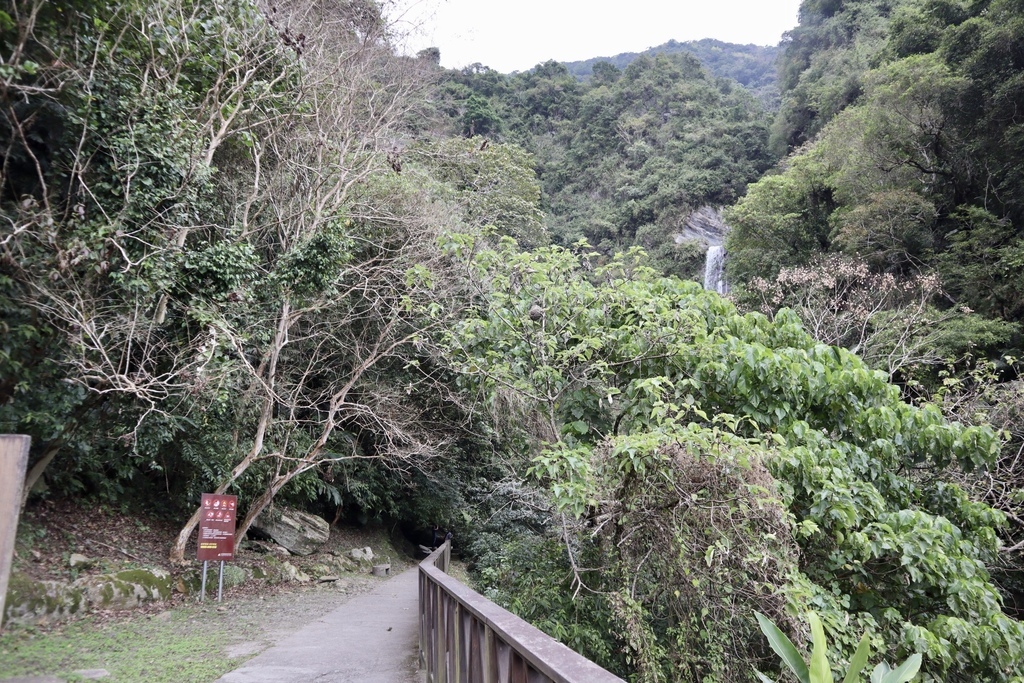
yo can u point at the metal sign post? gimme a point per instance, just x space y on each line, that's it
216 535
13 463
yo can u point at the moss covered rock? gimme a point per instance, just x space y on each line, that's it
37 602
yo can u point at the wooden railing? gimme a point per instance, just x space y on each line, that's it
466 638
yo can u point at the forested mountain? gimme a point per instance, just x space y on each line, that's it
626 156
249 247
752 66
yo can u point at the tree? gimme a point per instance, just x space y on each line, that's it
217 243
892 323
625 377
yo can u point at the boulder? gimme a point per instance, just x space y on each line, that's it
290 572
39 602
77 560
361 554
299 532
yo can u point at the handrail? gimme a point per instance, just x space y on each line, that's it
466 638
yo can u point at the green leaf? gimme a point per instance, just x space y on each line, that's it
820 670
783 647
762 677
879 673
905 671
859 661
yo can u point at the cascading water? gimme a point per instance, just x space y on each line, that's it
706 227
714 276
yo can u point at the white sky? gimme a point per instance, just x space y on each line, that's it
517 35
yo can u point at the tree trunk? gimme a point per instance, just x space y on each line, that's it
177 554
37 471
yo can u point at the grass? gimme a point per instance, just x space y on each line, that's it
186 645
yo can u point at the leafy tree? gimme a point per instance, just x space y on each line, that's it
494 183
620 372
891 323
231 276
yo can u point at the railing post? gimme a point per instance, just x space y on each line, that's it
490 656
439 663
421 595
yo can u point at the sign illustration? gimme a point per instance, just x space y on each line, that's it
217 527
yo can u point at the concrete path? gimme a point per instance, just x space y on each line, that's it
372 638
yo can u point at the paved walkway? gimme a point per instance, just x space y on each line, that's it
372 638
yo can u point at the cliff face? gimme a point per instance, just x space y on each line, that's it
704 224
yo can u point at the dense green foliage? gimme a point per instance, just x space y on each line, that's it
818 669
626 156
216 278
654 400
917 165
901 118
264 253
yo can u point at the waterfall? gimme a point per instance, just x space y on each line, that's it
714 278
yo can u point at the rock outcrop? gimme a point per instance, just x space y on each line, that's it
34 602
299 532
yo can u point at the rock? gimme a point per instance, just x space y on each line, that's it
269 548
125 589
705 225
345 564
36 602
361 554
193 583
91 674
328 578
80 561
299 532
289 572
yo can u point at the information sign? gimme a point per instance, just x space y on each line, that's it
217 527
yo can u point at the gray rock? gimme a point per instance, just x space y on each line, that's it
91 674
80 561
706 225
290 572
299 532
328 578
37 602
361 554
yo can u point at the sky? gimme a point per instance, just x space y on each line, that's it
519 34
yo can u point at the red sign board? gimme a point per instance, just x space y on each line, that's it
217 527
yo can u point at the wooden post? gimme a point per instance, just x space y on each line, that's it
13 463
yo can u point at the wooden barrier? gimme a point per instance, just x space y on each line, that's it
13 462
466 638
